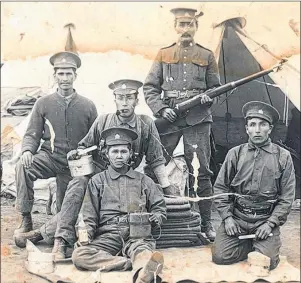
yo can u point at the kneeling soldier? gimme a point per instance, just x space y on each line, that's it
262 173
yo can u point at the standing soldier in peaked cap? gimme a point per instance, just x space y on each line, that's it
262 173
61 119
61 228
182 71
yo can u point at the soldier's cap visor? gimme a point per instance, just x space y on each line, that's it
118 136
258 109
185 13
125 86
65 59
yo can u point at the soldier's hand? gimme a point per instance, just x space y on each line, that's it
27 159
155 220
73 154
232 227
263 231
206 99
169 114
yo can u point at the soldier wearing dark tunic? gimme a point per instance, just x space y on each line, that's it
262 173
182 71
61 120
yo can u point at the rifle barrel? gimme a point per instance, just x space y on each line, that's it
185 105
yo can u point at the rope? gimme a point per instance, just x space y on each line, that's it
197 199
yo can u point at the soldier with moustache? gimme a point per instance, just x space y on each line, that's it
182 71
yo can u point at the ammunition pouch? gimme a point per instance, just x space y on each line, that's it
254 206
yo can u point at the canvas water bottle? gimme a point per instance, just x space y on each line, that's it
82 230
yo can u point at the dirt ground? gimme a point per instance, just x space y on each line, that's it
13 258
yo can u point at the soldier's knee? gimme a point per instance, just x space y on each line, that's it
78 184
77 257
217 255
19 167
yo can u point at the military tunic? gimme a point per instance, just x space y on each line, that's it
265 177
110 195
184 69
61 125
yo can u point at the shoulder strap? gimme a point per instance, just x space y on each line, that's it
107 121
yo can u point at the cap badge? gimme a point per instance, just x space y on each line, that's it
117 136
260 111
123 86
64 60
187 14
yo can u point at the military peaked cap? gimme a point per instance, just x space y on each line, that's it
258 109
118 136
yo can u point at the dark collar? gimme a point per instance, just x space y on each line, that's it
115 175
131 123
267 146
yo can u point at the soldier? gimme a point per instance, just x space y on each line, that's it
111 196
182 71
263 174
61 228
61 119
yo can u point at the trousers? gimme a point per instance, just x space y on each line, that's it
44 166
62 225
196 139
229 249
113 250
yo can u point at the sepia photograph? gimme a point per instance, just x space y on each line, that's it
150 142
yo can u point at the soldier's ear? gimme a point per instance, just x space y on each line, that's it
271 128
247 130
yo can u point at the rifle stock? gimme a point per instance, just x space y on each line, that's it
186 105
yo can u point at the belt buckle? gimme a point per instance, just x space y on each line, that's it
182 94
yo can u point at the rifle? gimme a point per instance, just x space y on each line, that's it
185 105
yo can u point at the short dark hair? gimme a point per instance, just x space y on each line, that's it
55 69
136 94
249 118
109 146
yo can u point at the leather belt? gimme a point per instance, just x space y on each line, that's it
117 219
179 94
250 210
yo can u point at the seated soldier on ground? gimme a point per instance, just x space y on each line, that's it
263 174
110 198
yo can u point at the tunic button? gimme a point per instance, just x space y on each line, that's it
184 88
185 65
185 72
185 57
185 50
184 80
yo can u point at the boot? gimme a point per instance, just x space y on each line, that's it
33 236
59 248
26 224
206 225
151 269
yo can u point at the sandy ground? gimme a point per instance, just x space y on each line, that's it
13 258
